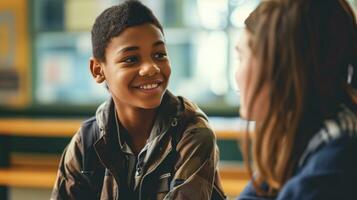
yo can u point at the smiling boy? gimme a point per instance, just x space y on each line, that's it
144 142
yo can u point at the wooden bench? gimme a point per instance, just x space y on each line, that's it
39 171
67 127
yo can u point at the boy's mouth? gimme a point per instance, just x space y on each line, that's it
149 86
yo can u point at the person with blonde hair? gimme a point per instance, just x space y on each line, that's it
297 59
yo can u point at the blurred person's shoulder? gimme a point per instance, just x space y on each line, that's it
328 168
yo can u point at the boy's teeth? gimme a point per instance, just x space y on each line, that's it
149 86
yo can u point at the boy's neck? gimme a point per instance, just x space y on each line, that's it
138 123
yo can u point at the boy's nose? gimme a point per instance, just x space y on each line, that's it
149 69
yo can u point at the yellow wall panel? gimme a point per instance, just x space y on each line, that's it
15 62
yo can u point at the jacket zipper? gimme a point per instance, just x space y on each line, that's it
149 172
173 124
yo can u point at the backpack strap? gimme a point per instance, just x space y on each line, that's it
89 134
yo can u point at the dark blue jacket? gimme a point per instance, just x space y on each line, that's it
328 169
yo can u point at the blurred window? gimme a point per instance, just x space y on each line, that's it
200 34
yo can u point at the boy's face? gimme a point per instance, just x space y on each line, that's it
137 69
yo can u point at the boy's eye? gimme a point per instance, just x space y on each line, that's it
131 59
160 56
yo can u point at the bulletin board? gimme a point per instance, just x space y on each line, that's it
15 74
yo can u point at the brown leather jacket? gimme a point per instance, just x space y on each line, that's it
193 175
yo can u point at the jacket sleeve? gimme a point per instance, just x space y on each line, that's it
197 166
70 183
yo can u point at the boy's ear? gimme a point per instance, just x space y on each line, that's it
96 69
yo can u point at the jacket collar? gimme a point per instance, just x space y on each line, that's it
170 107
105 116
344 125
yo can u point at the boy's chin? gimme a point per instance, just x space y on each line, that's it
150 106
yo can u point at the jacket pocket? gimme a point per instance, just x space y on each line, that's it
163 186
164 183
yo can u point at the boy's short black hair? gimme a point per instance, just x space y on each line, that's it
112 21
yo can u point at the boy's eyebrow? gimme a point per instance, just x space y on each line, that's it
126 49
134 48
160 42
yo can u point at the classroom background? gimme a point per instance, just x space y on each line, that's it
46 89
